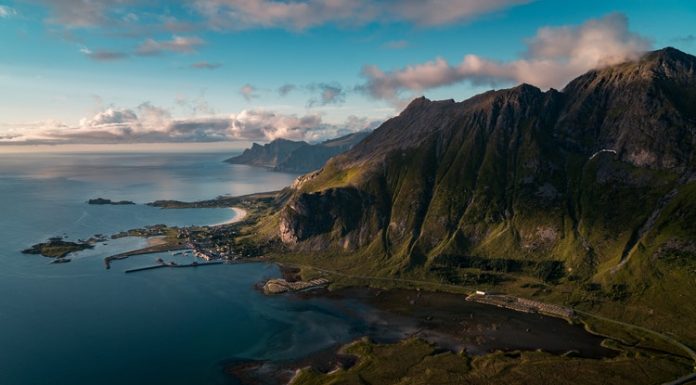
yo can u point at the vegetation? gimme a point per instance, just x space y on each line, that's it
514 191
57 248
415 362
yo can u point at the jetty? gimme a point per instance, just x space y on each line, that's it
146 250
279 285
173 265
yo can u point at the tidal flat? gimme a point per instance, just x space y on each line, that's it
444 321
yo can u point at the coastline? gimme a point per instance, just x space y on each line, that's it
239 215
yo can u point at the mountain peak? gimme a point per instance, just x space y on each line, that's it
667 64
421 102
525 87
669 54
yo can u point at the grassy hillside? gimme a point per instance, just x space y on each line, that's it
583 197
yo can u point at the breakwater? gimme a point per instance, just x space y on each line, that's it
163 265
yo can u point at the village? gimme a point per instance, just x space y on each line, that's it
208 243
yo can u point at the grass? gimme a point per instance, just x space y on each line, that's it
56 248
415 362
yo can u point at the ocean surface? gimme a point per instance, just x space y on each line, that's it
78 323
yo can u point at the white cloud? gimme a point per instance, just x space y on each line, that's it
554 56
103 55
440 12
292 14
151 124
285 89
328 93
299 15
248 92
204 65
6 11
181 44
81 13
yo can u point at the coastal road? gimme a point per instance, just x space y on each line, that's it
690 352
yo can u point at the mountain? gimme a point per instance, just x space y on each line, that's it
294 156
268 155
592 186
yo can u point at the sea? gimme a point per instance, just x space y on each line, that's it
78 323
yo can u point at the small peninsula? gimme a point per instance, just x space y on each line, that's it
103 201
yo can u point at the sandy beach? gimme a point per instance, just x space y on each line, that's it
239 215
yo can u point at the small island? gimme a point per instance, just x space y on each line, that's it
103 201
57 248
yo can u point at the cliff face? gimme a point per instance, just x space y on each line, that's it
585 175
293 156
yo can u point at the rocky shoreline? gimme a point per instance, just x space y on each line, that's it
57 248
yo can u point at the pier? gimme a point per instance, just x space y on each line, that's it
146 250
173 265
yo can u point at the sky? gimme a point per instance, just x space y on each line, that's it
218 74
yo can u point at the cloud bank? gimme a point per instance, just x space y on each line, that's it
301 15
103 55
291 15
204 65
554 56
152 124
180 44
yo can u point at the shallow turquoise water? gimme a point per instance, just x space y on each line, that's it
78 323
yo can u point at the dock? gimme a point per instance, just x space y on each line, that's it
163 265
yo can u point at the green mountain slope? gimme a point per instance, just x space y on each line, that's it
591 185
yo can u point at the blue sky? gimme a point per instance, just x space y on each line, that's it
130 71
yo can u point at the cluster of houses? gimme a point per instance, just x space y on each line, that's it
208 243
147 231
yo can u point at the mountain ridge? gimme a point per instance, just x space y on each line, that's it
597 181
295 156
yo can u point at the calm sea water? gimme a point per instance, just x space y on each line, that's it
78 323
